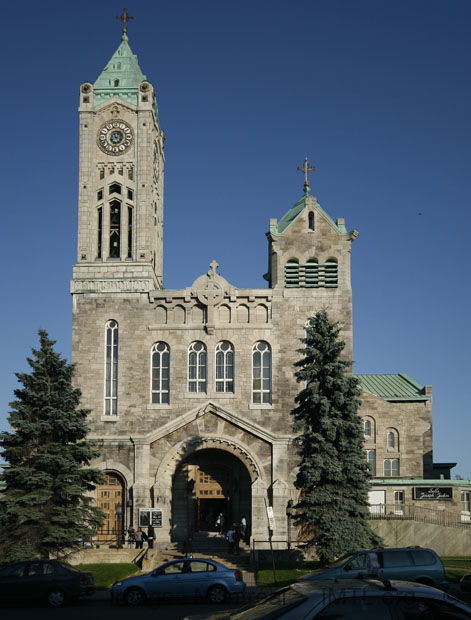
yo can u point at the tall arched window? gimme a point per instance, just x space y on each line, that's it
292 273
111 368
261 373
115 229
391 442
197 367
224 367
371 460
367 429
160 373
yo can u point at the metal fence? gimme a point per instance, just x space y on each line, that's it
420 513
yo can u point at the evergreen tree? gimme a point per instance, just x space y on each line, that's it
333 473
45 510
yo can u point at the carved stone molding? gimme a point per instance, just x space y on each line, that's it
110 286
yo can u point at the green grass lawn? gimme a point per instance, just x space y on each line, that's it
106 574
455 568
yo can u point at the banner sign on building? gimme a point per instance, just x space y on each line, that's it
150 516
271 518
436 493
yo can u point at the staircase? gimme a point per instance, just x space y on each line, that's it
206 545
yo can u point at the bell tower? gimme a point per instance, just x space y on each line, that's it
121 169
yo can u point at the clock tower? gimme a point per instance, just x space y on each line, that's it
120 180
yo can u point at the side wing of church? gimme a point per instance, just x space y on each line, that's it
191 390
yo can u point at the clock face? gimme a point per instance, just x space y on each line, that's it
115 137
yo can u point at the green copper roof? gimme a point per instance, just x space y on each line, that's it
296 210
393 387
121 77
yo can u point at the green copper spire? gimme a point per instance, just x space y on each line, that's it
121 76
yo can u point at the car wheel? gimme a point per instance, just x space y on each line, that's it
425 582
56 598
217 594
134 597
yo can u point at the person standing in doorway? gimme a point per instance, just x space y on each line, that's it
230 540
139 538
150 536
220 523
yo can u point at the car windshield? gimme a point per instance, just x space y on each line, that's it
271 606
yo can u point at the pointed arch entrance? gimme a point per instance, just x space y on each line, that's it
206 483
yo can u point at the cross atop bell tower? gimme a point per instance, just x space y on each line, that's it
124 17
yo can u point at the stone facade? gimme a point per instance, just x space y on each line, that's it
166 434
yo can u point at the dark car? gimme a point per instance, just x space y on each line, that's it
51 581
351 599
190 577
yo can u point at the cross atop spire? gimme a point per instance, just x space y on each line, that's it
124 17
306 168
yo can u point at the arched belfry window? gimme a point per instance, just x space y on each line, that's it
115 188
197 367
224 367
292 273
311 221
311 273
160 373
111 368
261 373
331 274
115 229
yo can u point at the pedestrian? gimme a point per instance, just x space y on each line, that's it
243 528
139 538
188 547
150 536
230 540
220 522
131 537
236 539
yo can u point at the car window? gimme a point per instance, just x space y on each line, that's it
393 559
13 570
172 569
272 606
422 557
357 608
36 568
429 609
358 562
199 567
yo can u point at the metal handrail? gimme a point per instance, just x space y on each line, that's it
414 512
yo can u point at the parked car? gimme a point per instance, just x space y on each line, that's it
406 563
52 581
352 599
189 577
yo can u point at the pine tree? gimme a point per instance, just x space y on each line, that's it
45 510
333 473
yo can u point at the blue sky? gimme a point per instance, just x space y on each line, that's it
376 93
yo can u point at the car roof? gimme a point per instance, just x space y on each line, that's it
310 588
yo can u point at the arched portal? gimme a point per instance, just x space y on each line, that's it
111 500
206 483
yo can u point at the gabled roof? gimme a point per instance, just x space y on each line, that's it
297 209
393 388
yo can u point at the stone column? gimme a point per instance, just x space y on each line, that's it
163 501
259 521
141 490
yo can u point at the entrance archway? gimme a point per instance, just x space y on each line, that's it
207 483
111 500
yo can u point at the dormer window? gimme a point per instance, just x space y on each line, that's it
116 82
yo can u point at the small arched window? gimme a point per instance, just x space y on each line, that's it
367 429
115 188
197 367
111 368
331 273
160 373
311 221
392 439
116 82
261 373
224 367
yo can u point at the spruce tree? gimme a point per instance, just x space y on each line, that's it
45 510
333 473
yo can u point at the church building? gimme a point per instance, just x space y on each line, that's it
190 390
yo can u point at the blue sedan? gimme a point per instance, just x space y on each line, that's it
188 577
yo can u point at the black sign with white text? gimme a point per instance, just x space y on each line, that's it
436 493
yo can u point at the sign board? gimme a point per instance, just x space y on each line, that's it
271 518
436 493
150 516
